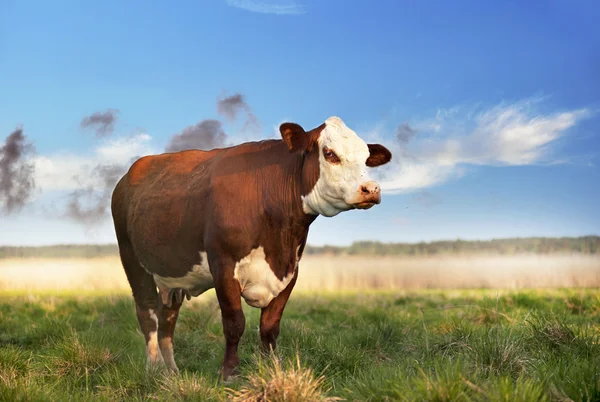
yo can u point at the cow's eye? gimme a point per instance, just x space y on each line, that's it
330 156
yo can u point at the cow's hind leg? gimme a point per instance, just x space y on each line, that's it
170 302
145 295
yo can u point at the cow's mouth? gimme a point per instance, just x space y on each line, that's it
365 205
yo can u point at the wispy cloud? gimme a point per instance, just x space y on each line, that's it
17 180
280 7
74 171
405 133
210 133
102 122
507 134
205 135
427 152
88 180
231 106
81 184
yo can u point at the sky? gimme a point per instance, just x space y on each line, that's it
491 109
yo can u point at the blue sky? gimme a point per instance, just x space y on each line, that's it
503 97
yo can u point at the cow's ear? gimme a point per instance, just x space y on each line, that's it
295 137
379 155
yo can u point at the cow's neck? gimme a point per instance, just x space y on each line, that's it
285 223
300 177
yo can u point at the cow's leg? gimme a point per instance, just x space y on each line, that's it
146 301
230 300
148 321
270 317
170 304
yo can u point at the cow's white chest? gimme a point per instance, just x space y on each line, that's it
196 282
258 283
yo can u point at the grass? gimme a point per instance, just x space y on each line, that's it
435 345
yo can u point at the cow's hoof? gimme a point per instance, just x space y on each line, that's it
171 371
231 379
229 375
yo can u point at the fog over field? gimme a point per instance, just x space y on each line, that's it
322 272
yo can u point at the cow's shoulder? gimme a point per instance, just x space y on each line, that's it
235 165
167 165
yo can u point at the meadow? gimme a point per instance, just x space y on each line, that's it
476 327
364 346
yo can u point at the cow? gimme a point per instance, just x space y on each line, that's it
235 219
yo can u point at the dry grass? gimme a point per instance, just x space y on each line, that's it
450 272
273 383
336 273
104 273
190 387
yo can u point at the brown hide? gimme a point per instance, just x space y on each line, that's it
225 201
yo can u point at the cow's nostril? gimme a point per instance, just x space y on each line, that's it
365 190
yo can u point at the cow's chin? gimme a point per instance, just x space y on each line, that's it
331 206
364 205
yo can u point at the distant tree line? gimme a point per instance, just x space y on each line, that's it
533 245
60 251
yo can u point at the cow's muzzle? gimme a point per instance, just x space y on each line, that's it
369 195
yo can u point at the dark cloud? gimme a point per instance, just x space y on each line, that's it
102 122
251 123
90 205
405 133
209 134
16 172
232 106
206 135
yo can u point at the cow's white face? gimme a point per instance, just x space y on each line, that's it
343 182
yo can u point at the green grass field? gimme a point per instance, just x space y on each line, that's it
374 346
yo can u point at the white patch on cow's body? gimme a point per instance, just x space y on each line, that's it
338 185
258 283
196 282
153 354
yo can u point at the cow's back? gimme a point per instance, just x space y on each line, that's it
159 208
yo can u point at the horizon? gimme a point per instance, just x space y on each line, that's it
308 244
493 131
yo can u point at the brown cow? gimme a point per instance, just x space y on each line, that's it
233 219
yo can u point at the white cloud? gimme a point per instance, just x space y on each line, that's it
506 134
268 7
120 150
409 175
71 171
442 150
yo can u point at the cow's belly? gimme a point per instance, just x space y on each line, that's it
258 283
195 282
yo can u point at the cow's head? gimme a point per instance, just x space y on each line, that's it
343 182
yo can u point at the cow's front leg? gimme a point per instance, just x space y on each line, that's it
229 296
270 317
